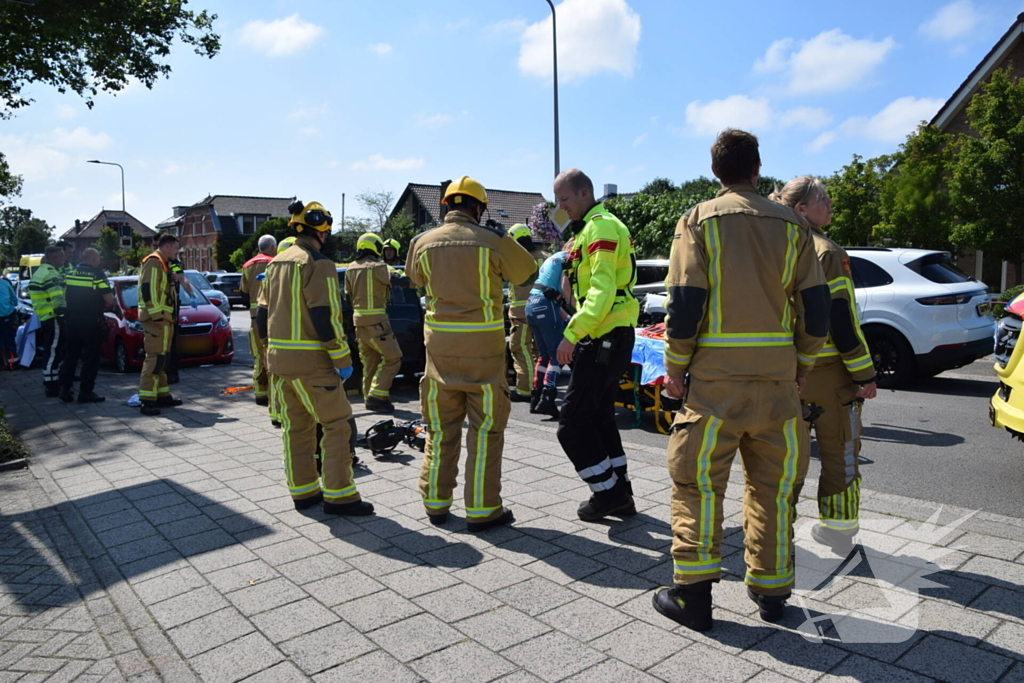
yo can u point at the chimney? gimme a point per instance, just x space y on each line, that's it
444 207
78 226
179 210
611 190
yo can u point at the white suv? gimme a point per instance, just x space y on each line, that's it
919 312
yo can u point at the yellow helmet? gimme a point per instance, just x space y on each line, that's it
312 215
467 186
519 230
285 243
370 242
394 244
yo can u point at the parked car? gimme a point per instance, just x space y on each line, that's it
216 297
204 333
920 314
650 277
1006 409
230 285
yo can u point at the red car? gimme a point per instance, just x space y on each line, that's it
204 333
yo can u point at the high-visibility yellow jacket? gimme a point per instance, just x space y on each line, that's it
747 297
846 342
462 265
602 272
368 285
158 293
250 284
299 313
46 290
518 294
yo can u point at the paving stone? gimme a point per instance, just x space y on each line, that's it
184 529
947 660
236 660
314 568
535 596
1015 675
493 575
168 585
184 608
1001 603
554 656
611 671
376 666
995 571
241 576
384 562
335 590
137 550
612 586
1007 640
294 619
954 622
457 602
856 669
640 644
285 672
415 637
792 655
288 551
524 550
210 631
417 581
699 661
377 610
456 555
466 662
328 647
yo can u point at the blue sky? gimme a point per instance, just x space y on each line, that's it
318 98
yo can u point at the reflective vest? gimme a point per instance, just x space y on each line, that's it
46 289
250 282
86 287
368 287
157 292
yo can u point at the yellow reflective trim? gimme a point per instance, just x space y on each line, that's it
497 325
676 358
485 285
783 509
714 247
707 492
481 447
296 292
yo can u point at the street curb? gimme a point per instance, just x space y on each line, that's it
14 465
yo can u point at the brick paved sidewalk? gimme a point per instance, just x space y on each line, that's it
167 549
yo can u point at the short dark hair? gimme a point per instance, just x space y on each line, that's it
53 249
735 157
165 238
577 179
467 204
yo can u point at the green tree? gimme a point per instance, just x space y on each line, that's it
987 183
914 203
658 186
278 227
10 184
652 219
32 236
10 218
379 205
109 246
702 186
856 191
134 254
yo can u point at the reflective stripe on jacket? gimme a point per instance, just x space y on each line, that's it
157 292
86 287
368 288
250 284
46 290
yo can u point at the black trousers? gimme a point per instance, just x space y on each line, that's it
84 340
51 340
586 424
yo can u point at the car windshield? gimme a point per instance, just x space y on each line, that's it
130 296
647 274
233 279
939 268
198 280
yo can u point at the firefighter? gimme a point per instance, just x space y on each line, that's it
842 378
88 295
250 286
747 315
158 302
275 419
368 284
46 290
520 338
391 249
299 318
462 265
598 341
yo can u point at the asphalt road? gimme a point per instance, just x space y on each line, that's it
930 441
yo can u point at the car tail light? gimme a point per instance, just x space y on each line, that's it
946 299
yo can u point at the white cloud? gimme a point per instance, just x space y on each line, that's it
310 131
506 27
281 37
377 162
380 49
431 122
594 36
65 111
829 62
736 111
308 112
895 122
805 118
822 141
46 155
952 22
639 139
79 138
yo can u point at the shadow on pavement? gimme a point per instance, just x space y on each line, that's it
884 433
953 386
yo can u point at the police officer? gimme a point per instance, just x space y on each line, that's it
251 283
462 265
842 378
391 248
88 295
46 290
747 315
368 284
158 299
602 271
520 338
299 317
69 258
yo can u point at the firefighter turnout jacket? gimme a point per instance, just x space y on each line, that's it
602 272
300 313
157 291
46 290
368 285
250 282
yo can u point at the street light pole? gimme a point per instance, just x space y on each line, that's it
124 214
554 53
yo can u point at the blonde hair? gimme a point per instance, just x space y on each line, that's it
802 191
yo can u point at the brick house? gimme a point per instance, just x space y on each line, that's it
423 204
84 234
952 118
225 219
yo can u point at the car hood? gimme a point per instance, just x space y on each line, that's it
205 313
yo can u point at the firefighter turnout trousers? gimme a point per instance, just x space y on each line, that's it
381 356
153 380
838 432
763 420
260 376
304 402
473 388
520 343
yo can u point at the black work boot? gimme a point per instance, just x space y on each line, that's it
506 517
168 401
52 389
149 409
379 405
262 401
276 424
66 394
687 605
439 519
771 607
360 508
547 405
90 397
306 503
615 501
841 542
516 397
535 399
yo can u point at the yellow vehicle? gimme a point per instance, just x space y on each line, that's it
29 263
1006 409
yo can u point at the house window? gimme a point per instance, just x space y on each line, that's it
249 224
422 217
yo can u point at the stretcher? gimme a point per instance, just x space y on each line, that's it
640 388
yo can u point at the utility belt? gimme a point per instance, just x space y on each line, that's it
619 294
606 344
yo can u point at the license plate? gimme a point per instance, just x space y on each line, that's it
984 309
195 346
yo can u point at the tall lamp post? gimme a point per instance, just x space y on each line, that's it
124 214
554 53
